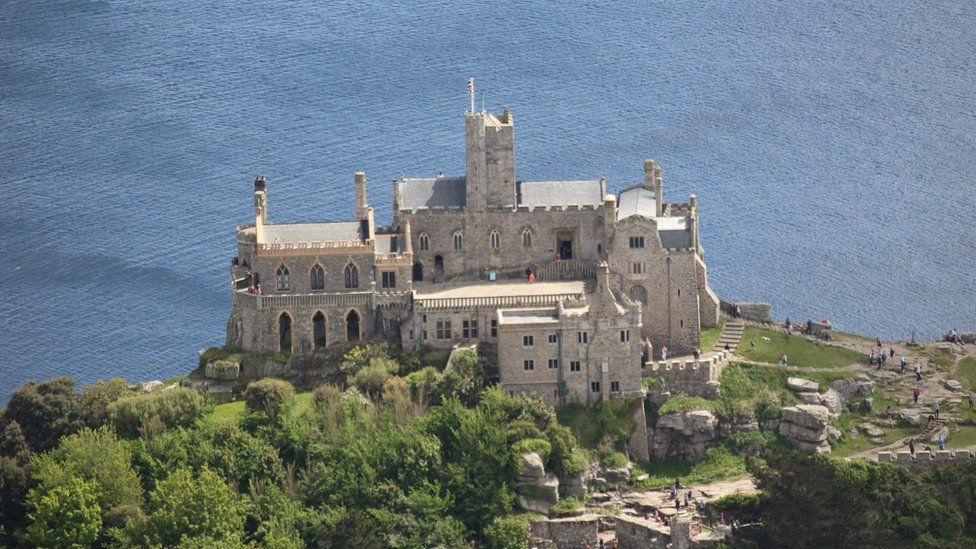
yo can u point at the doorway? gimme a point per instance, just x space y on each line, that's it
564 244
418 272
352 326
438 268
284 333
318 330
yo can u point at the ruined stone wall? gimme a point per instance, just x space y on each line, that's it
637 534
568 533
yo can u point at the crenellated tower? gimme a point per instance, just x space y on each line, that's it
489 160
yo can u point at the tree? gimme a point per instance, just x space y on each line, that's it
66 515
45 411
507 533
96 398
268 397
178 407
193 506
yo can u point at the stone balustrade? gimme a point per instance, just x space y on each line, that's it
541 300
246 299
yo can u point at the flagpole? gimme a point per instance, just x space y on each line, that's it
471 92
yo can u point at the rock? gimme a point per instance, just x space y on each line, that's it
967 337
866 406
797 432
952 385
874 432
573 486
800 384
531 467
684 436
809 397
833 432
806 415
643 476
805 426
618 475
598 483
149 386
910 416
224 370
538 496
833 401
849 388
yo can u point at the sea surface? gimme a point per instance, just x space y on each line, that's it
832 147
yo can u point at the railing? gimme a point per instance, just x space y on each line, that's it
567 269
494 301
303 300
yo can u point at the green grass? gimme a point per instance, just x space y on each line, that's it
708 336
677 405
756 390
964 436
847 445
590 425
234 411
799 350
966 372
719 464
939 358
566 506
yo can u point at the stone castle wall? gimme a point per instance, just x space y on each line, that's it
923 458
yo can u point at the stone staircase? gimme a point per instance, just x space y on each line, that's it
731 334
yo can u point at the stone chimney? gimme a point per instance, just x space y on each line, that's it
659 191
693 221
361 204
260 208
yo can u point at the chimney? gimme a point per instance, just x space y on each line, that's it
361 205
260 208
693 221
659 190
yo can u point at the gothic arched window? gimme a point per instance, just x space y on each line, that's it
527 238
496 240
424 241
282 283
351 276
458 241
638 294
317 275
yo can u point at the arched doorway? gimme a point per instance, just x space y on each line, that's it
352 326
418 272
438 268
318 330
284 333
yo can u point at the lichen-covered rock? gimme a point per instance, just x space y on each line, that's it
573 486
684 435
952 385
910 416
530 467
809 397
833 401
806 415
805 426
800 384
225 369
539 495
618 475
849 388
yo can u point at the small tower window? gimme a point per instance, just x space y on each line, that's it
317 276
496 240
282 284
527 238
458 241
424 242
351 276
638 294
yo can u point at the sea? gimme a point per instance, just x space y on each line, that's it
831 145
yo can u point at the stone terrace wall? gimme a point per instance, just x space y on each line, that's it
568 533
757 312
634 534
923 458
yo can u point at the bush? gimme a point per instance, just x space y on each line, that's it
370 379
537 445
507 533
614 460
178 407
566 506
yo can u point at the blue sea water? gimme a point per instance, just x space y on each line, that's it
831 146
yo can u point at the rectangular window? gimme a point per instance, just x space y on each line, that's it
553 338
614 386
389 280
574 366
553 363
624 336
494 327
528 341
595 386
443 329
637 242
528 365
424 335
583 337
637 267
469 329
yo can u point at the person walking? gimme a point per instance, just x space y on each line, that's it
915 394
970 398
664 352
891 351
903 364
884 360
941 442
918 372
936 410
911 446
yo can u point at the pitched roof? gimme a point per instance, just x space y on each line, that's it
675 239
436 192
340 231
637 201
559 193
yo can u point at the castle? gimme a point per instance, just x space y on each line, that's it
571 289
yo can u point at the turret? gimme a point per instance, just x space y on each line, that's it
361 204
489 160
693 221
260 208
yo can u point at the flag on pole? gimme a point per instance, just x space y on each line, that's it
471 92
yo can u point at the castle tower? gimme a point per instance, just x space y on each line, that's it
653 183
260 208
489 160
361 205
693 221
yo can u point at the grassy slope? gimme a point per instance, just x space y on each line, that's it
709 336
799 350
234 411
966 372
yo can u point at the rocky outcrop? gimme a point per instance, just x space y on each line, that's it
850 388
800 384
225 370
573 486
805 426
536 490
684 435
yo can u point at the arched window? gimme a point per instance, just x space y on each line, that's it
352 326
527 238
458 241
424 241
318 277
282 283
496 240
284 332
638 294
318 330
351 276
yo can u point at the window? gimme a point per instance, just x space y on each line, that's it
528 365
443 329
637 267
624 336
389 280
595 386
469 328
553 363
553 339
681 323
583 337
458 241
317 276
494 327
281 279
528 341
423 242
351 276
638 294
496 240
424 335
637 242
527 238
679 292
614 386
574 366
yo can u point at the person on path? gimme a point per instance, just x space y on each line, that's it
941 442
677 504
911 446
696 353
970 399
531 277
903 364
871 359
918 372
915 393
879 342
891 351
687 498
809 327
664 352
936 410
673 491
884 360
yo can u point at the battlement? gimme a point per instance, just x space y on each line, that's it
340 246
924 458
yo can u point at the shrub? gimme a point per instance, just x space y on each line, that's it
66 515
614 459
178 407
537 445
370 379
507 533
566 506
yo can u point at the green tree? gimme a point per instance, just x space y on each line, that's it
45 411
96 399
66 515
191 506
268 397
507 533
178 407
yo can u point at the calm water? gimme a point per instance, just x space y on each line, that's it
831 147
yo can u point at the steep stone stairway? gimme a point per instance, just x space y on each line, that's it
731 334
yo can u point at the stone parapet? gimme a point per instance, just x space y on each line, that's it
245 299
924 458
423 303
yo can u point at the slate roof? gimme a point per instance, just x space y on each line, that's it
339 231
437 192
637 201
675 239
559 193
